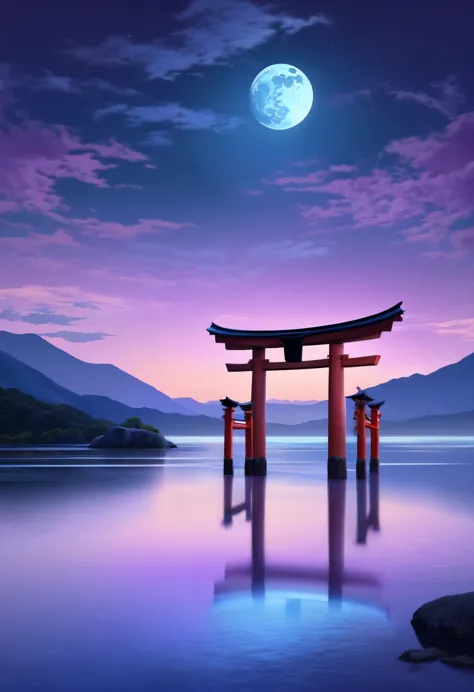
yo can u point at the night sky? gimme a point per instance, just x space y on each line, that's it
140 200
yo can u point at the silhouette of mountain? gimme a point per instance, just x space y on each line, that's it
285 413
85 378
17 375
432 426
447 390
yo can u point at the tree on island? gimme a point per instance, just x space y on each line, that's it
135 422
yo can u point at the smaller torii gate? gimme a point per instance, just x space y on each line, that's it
361 399
292 341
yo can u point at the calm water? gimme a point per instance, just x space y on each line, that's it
170 577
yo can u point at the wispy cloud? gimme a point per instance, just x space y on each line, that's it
114 229
463 327
77 337
426 194
447 100
34 243
105 85
85 305
173 114
35 156
213 32
289 250
49 81
44 316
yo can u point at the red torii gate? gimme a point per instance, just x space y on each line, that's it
292 341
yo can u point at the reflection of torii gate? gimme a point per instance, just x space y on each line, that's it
262 574
370 520
292 341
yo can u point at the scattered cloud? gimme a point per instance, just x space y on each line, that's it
115 229
463 327
288 250
351 97
26 297
173 114
314 178
44 316
49 81
253 192
448 99
428 189
35 156
128 186
157 138
77 337
342 168
33 242
85 305
105 85
213 32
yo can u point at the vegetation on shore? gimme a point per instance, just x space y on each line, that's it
25 420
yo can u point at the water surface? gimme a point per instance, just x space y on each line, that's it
135 574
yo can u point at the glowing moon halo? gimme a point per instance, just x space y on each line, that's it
281 96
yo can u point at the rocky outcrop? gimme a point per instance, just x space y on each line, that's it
117 437
445 628
447 623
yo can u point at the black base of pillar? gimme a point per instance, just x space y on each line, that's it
249 466
361 469
228 467
256 467
374 465
337 469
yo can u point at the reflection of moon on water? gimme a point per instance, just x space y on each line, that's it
281 96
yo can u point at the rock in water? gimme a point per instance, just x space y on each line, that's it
117 437
447 623
421 655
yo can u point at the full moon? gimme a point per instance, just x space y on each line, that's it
281 97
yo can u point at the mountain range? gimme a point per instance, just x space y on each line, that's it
34 366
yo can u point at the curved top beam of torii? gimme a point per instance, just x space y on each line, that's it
370 327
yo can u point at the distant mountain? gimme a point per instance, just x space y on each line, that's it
294 402
432 426
85 378
287 414
17 375
447 390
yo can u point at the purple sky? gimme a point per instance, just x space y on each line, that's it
139 199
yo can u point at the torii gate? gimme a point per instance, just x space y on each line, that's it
292 341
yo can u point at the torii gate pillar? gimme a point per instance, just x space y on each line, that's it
336 415
259 396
